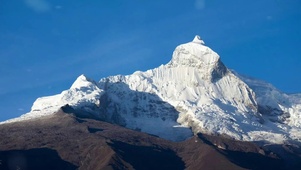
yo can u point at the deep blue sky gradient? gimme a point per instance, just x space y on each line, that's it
46 44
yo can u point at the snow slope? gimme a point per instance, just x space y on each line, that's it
192 93
83 94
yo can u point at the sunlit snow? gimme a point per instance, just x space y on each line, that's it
192 93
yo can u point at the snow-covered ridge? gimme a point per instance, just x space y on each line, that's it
274 104
83 94
192 93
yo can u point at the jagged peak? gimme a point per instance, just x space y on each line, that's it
82 81
196 54
197 39
226 105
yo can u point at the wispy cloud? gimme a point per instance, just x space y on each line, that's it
200 4
38 5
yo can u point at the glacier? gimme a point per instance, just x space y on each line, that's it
193 93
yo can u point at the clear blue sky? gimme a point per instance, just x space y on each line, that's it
46 44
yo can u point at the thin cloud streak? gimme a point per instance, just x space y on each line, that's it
38 5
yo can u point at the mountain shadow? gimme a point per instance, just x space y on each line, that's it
140 111
245 154
120 99
251 160
33 159
289 153
148 157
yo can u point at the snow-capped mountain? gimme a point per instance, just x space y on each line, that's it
194 92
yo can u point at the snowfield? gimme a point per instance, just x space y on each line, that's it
194 92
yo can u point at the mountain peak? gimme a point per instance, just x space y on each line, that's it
197 39
83 81
194 92
196 54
